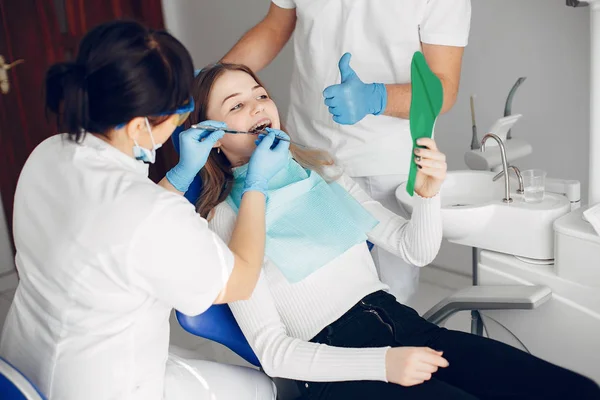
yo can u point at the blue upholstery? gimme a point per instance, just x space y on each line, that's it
15 386
217 323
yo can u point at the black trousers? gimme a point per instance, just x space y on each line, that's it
480 368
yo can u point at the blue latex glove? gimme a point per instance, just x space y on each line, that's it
352 99
270 156
194 148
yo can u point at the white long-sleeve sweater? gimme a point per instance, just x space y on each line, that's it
280 318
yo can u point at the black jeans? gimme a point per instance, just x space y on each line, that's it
480 368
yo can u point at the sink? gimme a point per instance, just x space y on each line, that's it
466 201
474 214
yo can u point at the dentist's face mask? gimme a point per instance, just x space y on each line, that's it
143 154
149 156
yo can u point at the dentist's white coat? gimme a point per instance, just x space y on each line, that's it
103 256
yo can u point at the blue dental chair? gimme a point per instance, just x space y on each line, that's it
218 323
15 386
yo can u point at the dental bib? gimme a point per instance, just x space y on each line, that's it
309 222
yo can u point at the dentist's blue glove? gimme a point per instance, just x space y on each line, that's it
270 156
351 100
194 148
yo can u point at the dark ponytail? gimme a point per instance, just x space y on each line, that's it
123 70
66 88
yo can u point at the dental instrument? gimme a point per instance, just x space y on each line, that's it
232 131
235 132
516 148
474 140
509 99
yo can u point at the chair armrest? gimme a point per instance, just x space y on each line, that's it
510 297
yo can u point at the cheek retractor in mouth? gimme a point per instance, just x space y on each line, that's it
260 128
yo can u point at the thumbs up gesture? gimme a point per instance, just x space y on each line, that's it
352 99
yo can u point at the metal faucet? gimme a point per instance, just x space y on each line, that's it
517 172
507 198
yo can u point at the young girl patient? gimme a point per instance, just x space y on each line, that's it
319 314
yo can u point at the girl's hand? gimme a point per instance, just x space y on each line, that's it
432 168
409 366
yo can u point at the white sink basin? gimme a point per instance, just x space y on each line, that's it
474 214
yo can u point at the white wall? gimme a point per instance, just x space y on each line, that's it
541 39
210 28
7 262
549 44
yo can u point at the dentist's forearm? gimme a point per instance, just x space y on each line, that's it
399 97
398 100
248 246
256 49
261 44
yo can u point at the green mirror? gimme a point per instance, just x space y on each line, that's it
425 106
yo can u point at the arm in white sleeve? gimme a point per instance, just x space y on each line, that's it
446 23
284 356
285 3
417 240
176 258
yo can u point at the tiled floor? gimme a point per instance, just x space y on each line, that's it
429 293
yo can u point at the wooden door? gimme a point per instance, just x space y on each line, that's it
40 33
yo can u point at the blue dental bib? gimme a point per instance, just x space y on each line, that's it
309 222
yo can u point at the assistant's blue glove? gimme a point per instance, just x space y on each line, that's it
194 148
270 156
352 99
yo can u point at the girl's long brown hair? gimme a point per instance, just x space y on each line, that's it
217 175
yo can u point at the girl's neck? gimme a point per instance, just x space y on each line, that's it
235 160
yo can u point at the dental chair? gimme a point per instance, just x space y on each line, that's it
15 386
218 323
